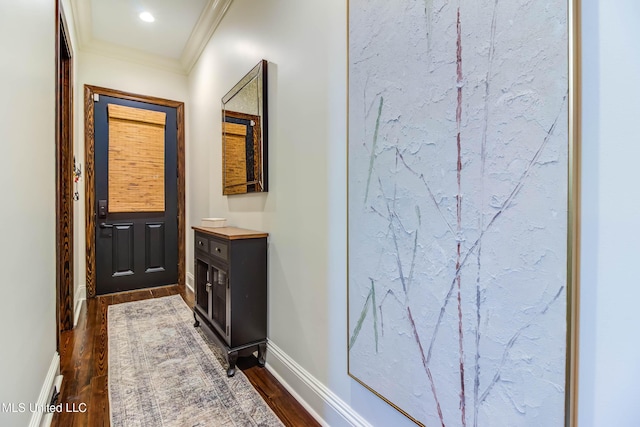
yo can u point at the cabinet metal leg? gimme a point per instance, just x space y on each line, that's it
262 353
232 358
196 322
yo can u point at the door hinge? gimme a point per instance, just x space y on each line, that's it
96 97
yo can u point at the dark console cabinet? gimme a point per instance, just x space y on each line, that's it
230 286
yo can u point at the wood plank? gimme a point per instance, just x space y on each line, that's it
98 414
182 229
138 295
188 296
64 184
163 291
100 338
77 369
89 190
283 404
231 233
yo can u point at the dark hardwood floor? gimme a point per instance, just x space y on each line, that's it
83 362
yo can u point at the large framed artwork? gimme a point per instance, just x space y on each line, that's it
462 207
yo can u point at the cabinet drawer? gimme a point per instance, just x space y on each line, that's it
202 243
218 249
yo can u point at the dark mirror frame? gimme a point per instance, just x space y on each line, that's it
256 134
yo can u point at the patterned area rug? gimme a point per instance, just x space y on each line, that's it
162 372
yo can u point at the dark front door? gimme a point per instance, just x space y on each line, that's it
136 194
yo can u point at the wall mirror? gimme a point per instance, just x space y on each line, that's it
244 134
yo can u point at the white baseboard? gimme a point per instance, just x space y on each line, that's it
48 417
190 281
82 292
319 392
46 392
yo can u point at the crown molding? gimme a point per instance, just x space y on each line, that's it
205 27
135 56
209 20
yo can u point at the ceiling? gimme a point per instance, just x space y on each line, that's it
173 41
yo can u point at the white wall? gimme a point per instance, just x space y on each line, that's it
108 72
610 347
99 70
27 173
305 209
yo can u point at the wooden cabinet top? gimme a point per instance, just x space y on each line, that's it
231 233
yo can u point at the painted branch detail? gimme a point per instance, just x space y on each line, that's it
457 250
373 149
483 163
459 211
371 300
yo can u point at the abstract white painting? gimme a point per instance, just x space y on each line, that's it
458 194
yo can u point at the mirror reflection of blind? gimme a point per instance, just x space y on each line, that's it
235 158
136 159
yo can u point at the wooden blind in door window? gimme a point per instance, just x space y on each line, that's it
136 159
235 158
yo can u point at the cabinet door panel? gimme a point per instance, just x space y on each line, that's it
219 286
202 294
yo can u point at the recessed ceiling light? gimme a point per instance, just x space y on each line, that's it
147 17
